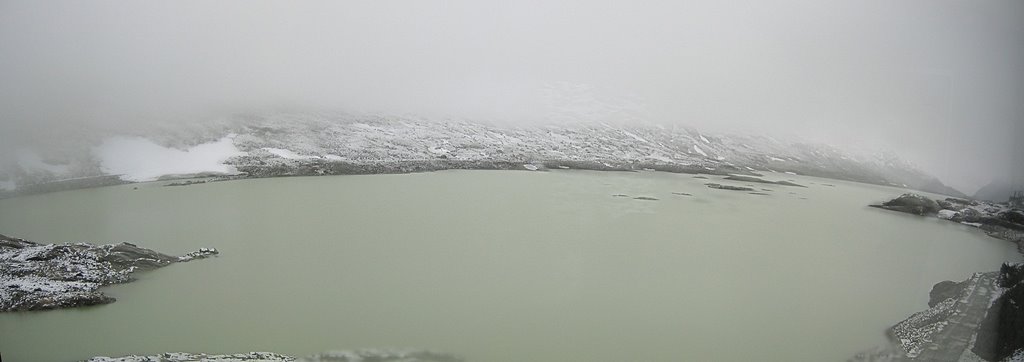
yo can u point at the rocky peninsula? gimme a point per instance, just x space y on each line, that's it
39 277
996 219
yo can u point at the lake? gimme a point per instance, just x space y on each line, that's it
499 266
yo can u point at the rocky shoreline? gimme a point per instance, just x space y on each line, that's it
366 355
308 144
38 277
996 219
978 319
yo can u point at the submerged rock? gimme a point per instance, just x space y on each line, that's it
761 180
647 198
366 355
728 187
37 277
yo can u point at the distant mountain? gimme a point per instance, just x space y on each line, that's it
997 191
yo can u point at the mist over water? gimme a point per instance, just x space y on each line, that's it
938 82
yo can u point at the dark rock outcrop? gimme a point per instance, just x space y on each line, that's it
728 187
761 180
1001 333
944 290
911 203
997 220
38 277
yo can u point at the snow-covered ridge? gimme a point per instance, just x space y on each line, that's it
301 143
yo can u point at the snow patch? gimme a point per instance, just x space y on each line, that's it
700 151
702 138
635 136
777 159
946 214
139 159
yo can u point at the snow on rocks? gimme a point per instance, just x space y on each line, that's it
286 144
36 277
700 151
997 220
946 214
365 355
288 154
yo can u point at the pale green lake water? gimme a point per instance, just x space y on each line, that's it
498 266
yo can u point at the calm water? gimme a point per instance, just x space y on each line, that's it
498 266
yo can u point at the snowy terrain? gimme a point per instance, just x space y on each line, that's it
313 143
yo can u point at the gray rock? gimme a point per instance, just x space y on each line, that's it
760 180
39 277
728 187
911 203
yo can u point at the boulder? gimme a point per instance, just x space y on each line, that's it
946 214
911 203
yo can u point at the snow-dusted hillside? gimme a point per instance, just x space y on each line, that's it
308 143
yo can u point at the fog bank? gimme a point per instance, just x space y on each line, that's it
939 82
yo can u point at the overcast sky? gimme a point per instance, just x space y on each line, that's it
940 82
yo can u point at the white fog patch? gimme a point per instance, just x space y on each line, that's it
139 159
30 161
7 185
